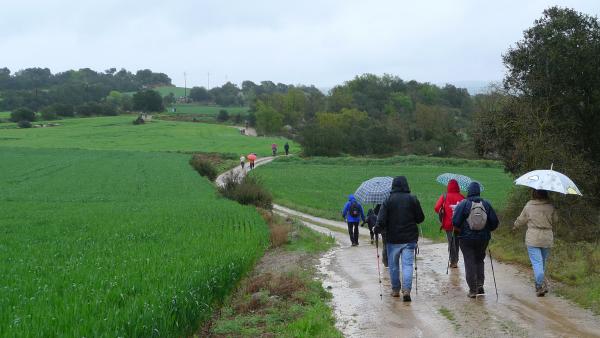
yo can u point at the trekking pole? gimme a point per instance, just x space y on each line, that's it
416 270
378 268
493 273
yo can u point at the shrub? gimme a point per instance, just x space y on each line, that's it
246 190
24 124
204 167
237 118
22 114
223 115
57 109
48 115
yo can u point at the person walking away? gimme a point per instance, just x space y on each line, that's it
539 215
475 219
398 219
371 221
353 213
445 208
286 147
242 161
274 149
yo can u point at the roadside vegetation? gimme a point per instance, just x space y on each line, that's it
282 296
320 186
103 243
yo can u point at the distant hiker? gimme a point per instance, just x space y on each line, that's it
242 161
371 221
476 219
445 209
539 215
384 257
398 219
274 149
286 147
353 213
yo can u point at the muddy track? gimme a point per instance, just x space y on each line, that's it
440 308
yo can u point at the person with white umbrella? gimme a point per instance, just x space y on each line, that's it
539 215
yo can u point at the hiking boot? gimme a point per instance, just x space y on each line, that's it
545 287
353 244
472 294
480 291
395 293
454 265
406 295
539 291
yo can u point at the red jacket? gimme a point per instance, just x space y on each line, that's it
453 197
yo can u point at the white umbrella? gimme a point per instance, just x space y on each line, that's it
548 180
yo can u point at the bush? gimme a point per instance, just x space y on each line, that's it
57 109
237 118
246 190
204 167
24 124
22 114
223 115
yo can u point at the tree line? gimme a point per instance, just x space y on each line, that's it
84 92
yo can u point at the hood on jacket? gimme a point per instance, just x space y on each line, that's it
351 198
400 184
473 190
453 186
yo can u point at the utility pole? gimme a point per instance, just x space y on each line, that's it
185 86
208 81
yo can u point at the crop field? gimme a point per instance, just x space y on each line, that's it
115 243
197 109
320 186
177 91
118 133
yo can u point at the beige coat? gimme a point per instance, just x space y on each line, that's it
538 215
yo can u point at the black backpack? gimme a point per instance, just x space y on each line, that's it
354 209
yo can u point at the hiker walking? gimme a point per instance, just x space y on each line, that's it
398 219
242 161
371 221
445 209
286 147
274 149
353 213
475 219
539 215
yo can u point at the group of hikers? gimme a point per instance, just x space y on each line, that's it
468 223
252 156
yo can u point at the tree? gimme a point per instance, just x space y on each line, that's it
22 114
223 115
268 120
148 101
549 111
169 99
199 94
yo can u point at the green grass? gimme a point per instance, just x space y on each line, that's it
177 91
320 186
115 243
118 133
4 114
302 311
203 110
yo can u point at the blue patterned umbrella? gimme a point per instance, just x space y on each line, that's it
463 181
376 190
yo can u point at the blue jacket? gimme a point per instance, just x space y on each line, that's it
346 211
462 211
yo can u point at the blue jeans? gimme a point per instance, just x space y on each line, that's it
407 252
538 258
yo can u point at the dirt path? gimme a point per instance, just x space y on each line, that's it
351 274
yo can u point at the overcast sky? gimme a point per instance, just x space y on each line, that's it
301 42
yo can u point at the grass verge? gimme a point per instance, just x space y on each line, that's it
282 296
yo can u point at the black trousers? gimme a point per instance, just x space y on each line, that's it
453 247
353 232
474 253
